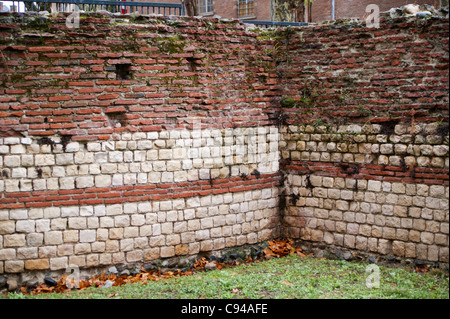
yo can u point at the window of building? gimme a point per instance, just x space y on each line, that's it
205 6
246 8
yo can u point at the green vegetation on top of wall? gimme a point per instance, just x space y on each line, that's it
173 44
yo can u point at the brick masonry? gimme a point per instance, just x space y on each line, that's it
228 9
321 9
354 187
125 143
365 146
129 140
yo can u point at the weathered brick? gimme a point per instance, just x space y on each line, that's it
14 240
14 266
37 264
7 227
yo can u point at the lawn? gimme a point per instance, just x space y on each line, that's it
279 278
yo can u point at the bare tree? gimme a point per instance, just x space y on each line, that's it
190 7
292 10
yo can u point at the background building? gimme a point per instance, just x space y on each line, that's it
266 10
321 9
231 9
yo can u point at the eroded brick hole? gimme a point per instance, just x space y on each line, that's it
123 71
388 127
192 64
116 119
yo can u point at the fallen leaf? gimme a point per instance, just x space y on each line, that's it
235 290
286 282
276 249
422 268
201 263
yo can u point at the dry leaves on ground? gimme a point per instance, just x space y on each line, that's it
422 268
282 248
277 248
64 284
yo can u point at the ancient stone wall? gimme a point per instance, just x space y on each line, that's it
131 139
357 188
128 141
365 145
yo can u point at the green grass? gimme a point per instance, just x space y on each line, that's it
284 278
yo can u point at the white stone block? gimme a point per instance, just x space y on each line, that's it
115 157
204 174
99 210
167 177
84 158
180 176
87 236
112 210
173 166
117 180
374 186
77 222
25 226
94 147
130 208
72 147
69 211
152 135
86 211
129 179
84 181
42 225
154 177
12 161
122 221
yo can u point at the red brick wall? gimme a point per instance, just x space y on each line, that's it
228 8
61 94
61 100
356 103
321 9
263 10
153 62
398 71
